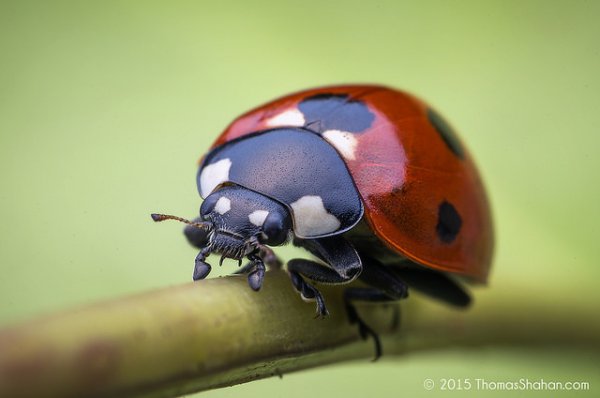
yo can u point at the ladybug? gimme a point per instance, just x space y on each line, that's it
370 180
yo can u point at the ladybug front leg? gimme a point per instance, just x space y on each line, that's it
201 267
342 265
255 270
256 267
257 275
269 257
198 237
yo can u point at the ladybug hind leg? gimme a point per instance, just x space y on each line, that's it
385 286
435 284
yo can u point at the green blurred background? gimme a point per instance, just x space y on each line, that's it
106 106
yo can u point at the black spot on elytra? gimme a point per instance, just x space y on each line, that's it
324 112
446 132
449 222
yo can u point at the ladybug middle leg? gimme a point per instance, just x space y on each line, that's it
343 265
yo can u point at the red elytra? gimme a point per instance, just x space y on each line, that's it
403 169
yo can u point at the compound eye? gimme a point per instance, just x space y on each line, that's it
275 229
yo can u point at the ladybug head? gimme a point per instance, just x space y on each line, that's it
235 222
242 219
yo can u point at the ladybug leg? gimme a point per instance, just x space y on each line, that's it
338 254
309 293
371 295
386 287
383 278
433 283
199 238
269 257
201 267
257 275
246 269
255 270
342 266
364 294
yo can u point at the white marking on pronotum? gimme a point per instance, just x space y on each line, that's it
223 205
292 117
214 174
312 218
343 141
257 217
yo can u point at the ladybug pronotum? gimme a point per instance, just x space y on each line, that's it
370 180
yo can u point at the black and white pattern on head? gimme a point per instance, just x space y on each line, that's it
449 222
324 112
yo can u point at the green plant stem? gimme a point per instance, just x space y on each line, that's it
219 332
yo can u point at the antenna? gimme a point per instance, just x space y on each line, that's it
162 217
